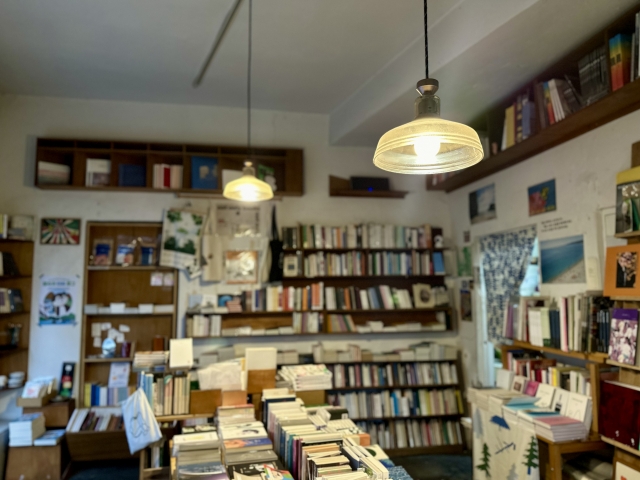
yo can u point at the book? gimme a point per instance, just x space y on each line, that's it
204 173
50 173
509 137
624 335
49 438
132 175
247 444
615 398
98 172
620 57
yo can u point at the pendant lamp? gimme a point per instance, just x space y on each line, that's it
248 188
429 144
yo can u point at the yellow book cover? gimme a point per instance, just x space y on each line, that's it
628 176
510 120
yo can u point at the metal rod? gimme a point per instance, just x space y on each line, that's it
426 42
217 42
249 82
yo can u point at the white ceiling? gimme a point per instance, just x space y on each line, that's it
356 60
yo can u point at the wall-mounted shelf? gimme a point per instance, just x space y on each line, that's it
341 187
615 105
286 164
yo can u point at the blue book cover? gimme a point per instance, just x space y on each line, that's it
204 173
438 263
132 175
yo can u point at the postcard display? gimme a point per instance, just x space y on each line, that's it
503 449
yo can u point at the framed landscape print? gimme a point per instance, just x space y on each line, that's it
60 231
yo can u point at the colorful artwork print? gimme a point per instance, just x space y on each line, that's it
60 231
59 300
542 198
562 260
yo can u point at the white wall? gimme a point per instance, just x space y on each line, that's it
584 169
23 119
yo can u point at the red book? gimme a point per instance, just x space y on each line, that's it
620 413
166 176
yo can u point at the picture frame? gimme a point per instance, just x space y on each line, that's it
241 266
60 231
423 297
290 266
621 275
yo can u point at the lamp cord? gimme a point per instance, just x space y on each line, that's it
426 42
249 83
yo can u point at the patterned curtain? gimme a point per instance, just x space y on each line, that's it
504 258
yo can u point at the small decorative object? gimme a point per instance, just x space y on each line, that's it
66 379
241 266
438 241
14 333
60 231
422 296
482 204
108 348
290 267
125 251
542 198
148 251
102 254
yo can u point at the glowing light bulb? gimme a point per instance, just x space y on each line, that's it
426 147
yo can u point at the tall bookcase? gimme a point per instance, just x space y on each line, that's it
131 285
16 359
405 379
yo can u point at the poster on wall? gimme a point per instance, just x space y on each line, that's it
59 301
562 260
60 231
181 231
542 198
482 204
236 221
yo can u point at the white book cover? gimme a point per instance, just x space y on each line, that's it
580 408
561 401
545 394
504 378
181 352
535 327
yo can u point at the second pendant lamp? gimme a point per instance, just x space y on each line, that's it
429 144
248 188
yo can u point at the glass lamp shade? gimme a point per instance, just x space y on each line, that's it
248 188
426 145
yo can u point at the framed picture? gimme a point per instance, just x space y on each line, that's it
542 197
423 297
241 266
621 271
482 204
60 231
290 266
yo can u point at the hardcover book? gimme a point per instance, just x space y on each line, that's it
615 398
624 335
204 173
130 175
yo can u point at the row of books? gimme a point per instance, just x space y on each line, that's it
17 227
399 403
307 377
424 351
594 72
308 322
167 176
394 374
167 394
358 264
203 326
95 419
379 297
413 433
11 300
568 377
578 322
556 100
97 395
358 236
634 67
8 266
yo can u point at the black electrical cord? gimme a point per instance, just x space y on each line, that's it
426 42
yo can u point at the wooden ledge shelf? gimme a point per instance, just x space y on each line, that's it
621 446
13 314
406 332
286 313
393 387
623 365
12 350
360 249
111 268
108 360
362 277
385 362
595 357
341 187
628 234
187 416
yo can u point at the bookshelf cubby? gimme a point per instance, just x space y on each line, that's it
287 164
16 359
614 105
131 285
341 187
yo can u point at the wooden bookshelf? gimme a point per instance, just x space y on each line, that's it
394 387
438 450
16 359
597 357
615 105
287 164
122 284
412 417
341 187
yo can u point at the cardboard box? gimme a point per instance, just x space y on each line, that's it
258 380
35 402
204 401
56 414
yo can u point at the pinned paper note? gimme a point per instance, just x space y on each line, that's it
113 333
97 342
167 279
124 328
157 279
96 329
106 326
119 337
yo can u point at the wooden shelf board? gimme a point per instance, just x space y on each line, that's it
592 357
626 299
97 268
623 365
11 351
408 332
394 387
363 277
621 446
415 417
613 106
343 250
628 234
368 194
14 314
187 416
384 362
14 240
129 314
14 277
108 360
435 450
291 312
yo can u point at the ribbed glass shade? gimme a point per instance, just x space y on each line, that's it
443 146
248 189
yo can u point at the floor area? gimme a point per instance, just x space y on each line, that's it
437 467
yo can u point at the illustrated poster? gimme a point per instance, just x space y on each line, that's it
60 300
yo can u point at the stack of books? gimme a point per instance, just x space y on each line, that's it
95 419
50 438
198 455
24 430
235 414
379 297
98 395
308 322
413 433
150 359
559 428
53 173
11 300
168 394
204 326
98 172
167 176
307 377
